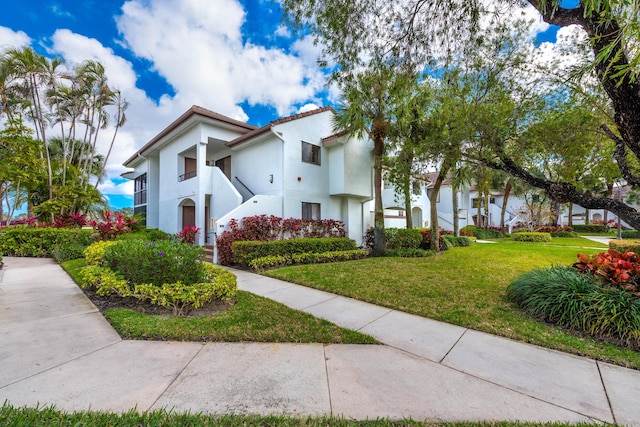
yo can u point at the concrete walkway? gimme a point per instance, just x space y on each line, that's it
56 348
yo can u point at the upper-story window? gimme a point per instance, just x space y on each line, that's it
140 190
416 188
310 153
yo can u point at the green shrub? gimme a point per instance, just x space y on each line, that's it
564 234
182 298
532 236
104 281
0 257
591 228
458 241
147 235
623 245
39 242
157 263
274 261
563 296
403 238
630 234
488 234
68 251
409 253
246 251
94 253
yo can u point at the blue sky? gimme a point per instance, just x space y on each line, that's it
230 56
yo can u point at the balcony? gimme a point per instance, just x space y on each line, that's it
187 175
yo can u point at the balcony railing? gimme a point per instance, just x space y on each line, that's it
187 175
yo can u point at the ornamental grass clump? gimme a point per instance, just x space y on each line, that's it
563 296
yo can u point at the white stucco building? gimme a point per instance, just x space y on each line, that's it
205 169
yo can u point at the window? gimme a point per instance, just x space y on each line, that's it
310 210
416 188
310 153
140 190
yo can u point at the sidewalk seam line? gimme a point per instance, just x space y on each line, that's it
63 363
453 346
606 393
326 371
377 318
177 376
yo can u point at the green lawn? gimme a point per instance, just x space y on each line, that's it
251 318
48 416
463 286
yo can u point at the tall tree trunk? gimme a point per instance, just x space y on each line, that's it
586 216
407 206
570 214
378 227
505 200
456 219
434 242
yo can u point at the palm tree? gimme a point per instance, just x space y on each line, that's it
370 101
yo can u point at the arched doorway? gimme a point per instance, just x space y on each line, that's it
187 213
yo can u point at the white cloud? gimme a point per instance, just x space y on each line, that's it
112 188
197 47
307 107
13 39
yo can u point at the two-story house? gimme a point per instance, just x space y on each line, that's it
205 169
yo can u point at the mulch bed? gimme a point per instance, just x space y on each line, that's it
103 303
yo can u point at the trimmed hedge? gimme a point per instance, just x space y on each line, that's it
409 253
458 241
532 236
275 261
40 242
481 233
630 234
590 228
565 297
623 245
68 251
246 251
564 234
402 238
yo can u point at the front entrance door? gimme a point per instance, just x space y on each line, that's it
188 216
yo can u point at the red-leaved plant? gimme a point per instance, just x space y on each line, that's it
271 227
188 234
113 224
75 220
615 268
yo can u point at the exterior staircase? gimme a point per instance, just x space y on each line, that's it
208 252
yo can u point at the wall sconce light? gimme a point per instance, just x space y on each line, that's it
271 178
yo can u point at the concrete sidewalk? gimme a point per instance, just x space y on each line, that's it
56 348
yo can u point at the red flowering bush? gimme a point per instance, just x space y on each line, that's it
553 229
189 234
621 270
113 224
75 220
266 228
